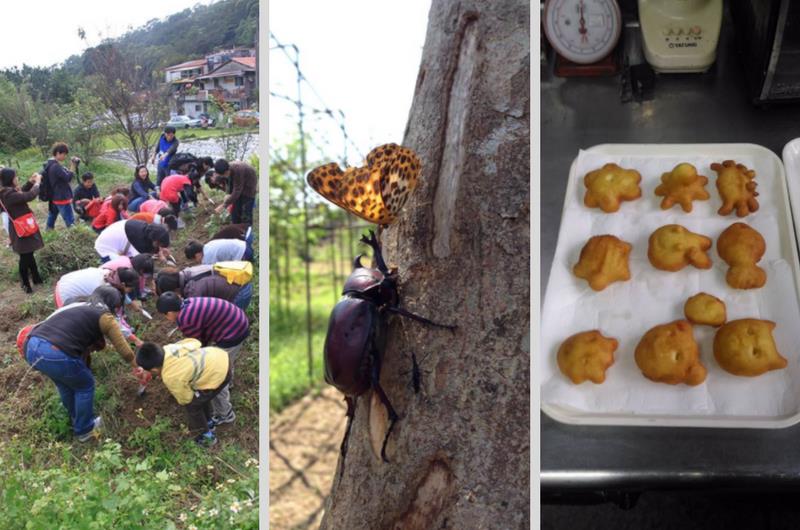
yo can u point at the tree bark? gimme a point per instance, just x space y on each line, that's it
459 454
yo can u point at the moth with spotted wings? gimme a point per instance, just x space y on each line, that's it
375 191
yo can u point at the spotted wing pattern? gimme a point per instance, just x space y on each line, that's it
377 191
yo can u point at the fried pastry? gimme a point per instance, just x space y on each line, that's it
669 354
586 356
736 188
608 186
746 347
604 260
741 247
705 309
681 186
672 247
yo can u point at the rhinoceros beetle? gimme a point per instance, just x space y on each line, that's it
356 336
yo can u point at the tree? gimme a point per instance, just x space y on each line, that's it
459 454
77 124
30 117
135 101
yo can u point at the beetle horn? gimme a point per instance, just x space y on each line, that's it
357 262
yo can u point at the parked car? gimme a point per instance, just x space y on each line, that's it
206 120
183 122
245 118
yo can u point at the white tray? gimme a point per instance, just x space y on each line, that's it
626 310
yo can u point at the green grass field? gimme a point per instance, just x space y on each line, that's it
288 345
114 141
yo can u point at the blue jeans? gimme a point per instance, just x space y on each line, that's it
72 377
133 206
248 248
66 213
242 298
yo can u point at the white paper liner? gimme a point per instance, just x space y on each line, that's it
626 310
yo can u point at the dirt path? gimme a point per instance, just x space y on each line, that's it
303 451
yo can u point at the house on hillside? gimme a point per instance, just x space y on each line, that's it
228 75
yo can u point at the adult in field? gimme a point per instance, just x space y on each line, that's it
15 203
219 250
130 238
58 180
82 283
113 209
167 146
142 264
203 281
60 348
242 182
142 188
232 231
178 190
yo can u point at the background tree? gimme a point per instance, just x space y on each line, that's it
459 455
135 101
81 125
31 117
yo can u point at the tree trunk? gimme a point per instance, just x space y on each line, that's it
459 454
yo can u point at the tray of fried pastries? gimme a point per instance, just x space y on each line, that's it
673 295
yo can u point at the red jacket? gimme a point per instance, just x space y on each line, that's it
107 215
171 187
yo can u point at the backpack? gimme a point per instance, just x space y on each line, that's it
44 185
181 159
236 272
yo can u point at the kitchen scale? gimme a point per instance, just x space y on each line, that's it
584 34
680 35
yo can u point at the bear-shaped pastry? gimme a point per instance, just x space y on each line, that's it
669 354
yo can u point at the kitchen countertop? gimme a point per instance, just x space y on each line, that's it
707 108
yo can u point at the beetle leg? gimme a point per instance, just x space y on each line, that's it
351 413
403 312
372 241
393 417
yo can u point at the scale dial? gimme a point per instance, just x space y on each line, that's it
582 31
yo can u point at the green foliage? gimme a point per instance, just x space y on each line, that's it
67 250
31 116
78 126
104 489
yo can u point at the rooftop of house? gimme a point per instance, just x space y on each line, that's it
188 65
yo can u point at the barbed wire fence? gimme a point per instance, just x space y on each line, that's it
316 125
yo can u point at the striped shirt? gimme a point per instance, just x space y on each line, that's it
213 320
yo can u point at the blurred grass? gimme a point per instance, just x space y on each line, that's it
288 351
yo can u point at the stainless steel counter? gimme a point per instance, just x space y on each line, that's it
579 113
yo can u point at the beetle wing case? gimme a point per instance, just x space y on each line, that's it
352 331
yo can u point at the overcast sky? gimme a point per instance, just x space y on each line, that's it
361 56
45 32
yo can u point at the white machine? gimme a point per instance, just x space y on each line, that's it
680 35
